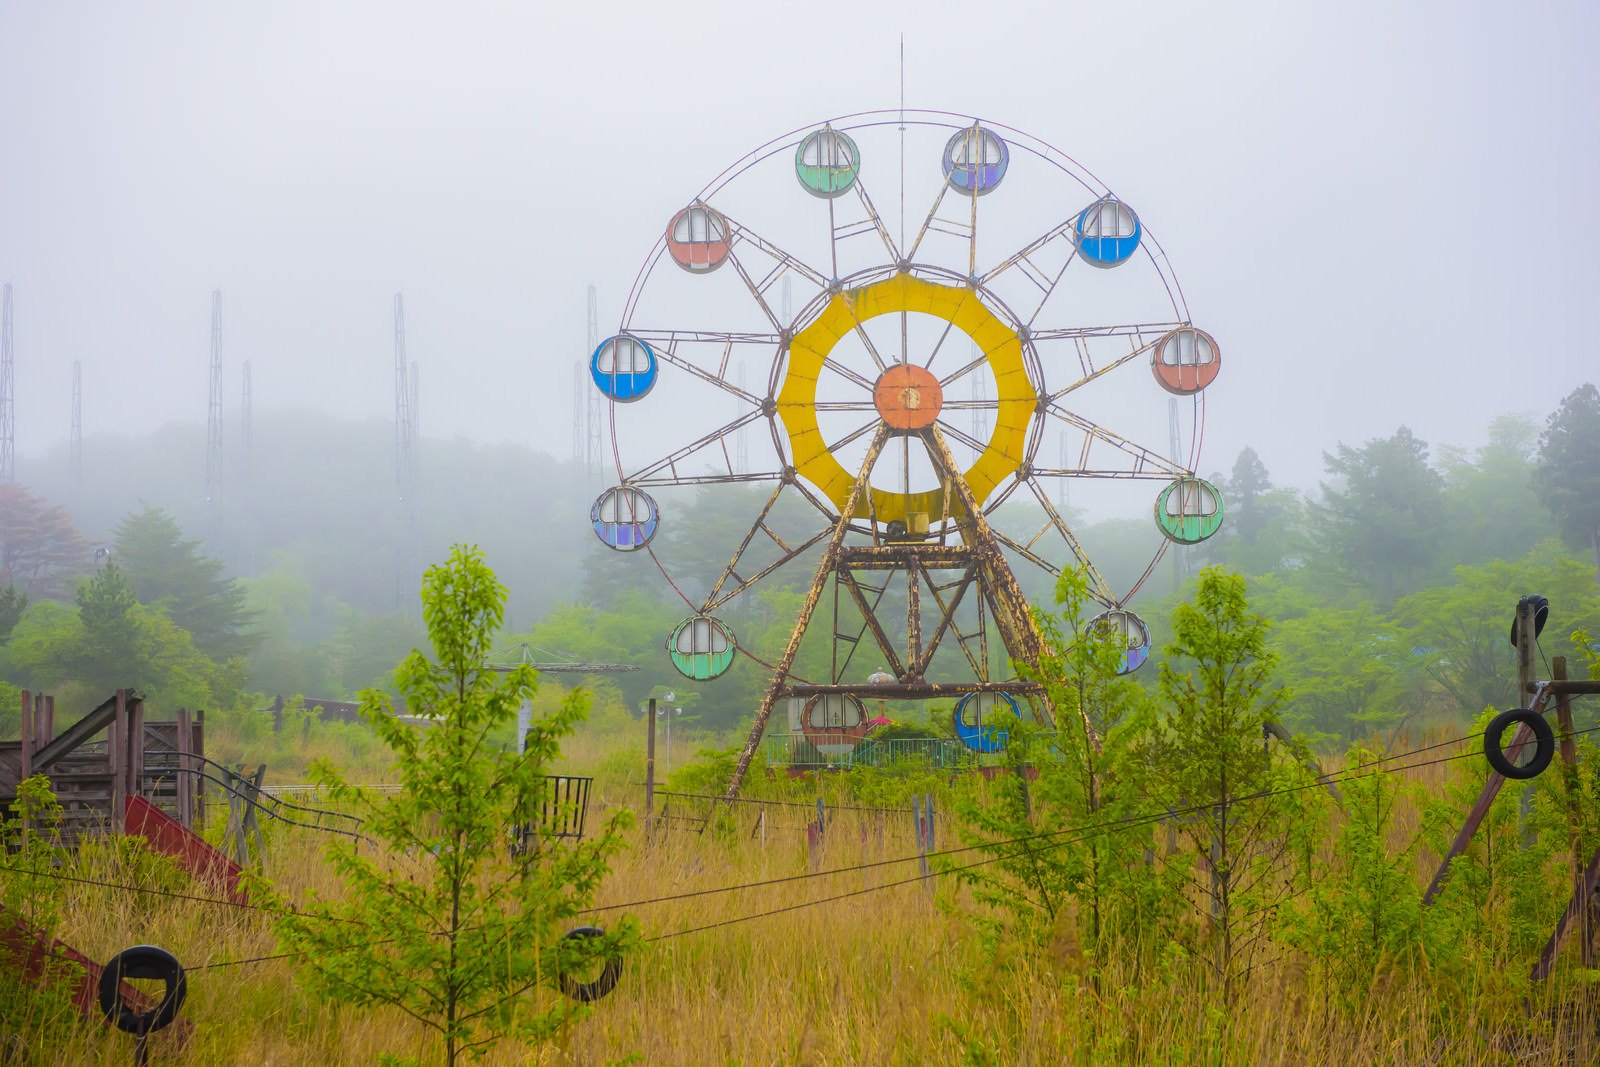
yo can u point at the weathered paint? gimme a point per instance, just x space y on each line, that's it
975 159
1002 348
625 518
697 239
977 707
1186 360
827 163
1189 510
907 396
701 647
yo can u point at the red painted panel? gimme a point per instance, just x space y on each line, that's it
171 838
24 950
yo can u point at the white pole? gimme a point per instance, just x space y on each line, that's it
524 720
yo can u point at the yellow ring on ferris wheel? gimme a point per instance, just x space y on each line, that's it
902 292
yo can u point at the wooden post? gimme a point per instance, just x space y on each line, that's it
197 745
1491 789
45 728
1524 649
136 749
117 756
251 825
27 735
650 769
185 776
1569 782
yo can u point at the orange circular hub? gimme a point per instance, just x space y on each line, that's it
908 397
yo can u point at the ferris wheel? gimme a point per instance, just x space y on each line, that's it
927 377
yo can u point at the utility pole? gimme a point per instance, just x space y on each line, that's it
214 429
75 440
8 395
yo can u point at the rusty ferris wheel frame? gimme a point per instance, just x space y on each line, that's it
933 556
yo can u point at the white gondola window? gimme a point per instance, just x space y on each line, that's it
1109 218
701 637
984 144
827 149
1191 500
835 711
1188 348
623 355
699 226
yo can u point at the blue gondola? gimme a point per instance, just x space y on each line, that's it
969 718
1107 233
623 368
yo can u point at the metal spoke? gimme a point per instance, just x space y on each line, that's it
1146 463
853 435
666 345
964 438
784 261
873 222
652 474
940 344
1100 591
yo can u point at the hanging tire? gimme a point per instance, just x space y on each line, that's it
142 961
588 992
1544 741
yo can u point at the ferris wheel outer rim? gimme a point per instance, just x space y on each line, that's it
1149 243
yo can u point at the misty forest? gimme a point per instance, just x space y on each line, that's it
1388 586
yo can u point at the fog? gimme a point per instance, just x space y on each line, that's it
1384 213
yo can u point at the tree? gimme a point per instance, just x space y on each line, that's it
1493 508
169 573
111 642
1206 733
470 940
13 602
1385 525
1349 669
1462 629
1568 475
40 550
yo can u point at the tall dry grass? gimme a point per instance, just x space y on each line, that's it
885 975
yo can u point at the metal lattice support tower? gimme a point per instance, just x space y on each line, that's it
8 395
247 478
214 424
75 441
594 453
405 473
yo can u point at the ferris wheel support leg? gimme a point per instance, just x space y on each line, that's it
1012 615
825 567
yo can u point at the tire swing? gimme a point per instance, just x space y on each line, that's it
588 992
1544 740
142 961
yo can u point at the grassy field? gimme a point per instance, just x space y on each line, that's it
839 968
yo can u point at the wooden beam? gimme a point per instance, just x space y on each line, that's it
1491 789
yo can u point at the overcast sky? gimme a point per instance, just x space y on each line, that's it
1384 212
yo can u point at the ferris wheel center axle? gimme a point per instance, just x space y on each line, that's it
908 397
